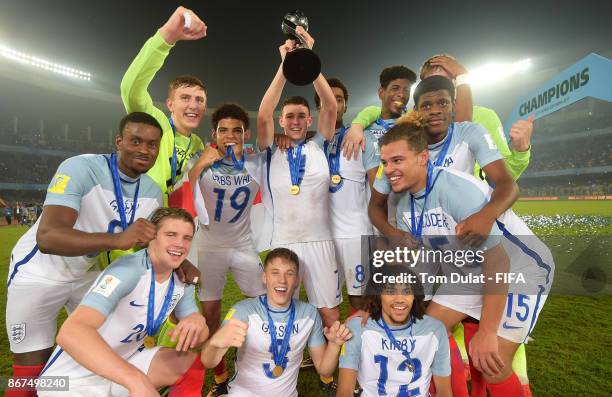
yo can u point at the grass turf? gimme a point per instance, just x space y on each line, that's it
570 354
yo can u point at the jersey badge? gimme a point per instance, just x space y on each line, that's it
59 183
107 285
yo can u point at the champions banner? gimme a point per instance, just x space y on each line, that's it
589 77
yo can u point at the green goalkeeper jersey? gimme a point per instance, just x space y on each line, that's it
136 98
517 162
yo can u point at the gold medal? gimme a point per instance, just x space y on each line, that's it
277 371
336 179
149 342
295 189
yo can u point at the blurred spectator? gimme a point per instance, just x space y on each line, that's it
8 214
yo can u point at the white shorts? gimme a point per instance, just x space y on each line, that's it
32 307
525 298
97 386
348 254
243 262
319 272
518 320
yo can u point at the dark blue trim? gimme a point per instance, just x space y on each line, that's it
261 298
22 262
50 363
120 178
516 241
535 312
410 322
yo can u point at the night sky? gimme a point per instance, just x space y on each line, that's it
238 58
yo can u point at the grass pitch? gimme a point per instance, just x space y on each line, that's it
570 354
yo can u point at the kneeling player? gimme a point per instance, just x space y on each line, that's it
272 331
101 343
399 349
506 319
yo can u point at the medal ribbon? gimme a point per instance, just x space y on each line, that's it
417 229
384 124
277 354
395 343
174 167
442 155
229 152
153 325
295 163
333 156
114 168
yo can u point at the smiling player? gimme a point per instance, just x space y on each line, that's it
100 345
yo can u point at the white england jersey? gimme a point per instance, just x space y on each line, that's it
228 195
382 367
83 183
469 143
254 360
298 218
453 197
121 294
349 199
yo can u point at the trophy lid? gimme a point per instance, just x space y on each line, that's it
291 21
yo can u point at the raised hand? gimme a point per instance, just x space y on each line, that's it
305 36
231 334
209 157
337 333
183 24
451 65
520 134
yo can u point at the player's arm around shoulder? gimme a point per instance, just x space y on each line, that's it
79 335
56 234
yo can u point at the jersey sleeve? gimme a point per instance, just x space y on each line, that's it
481 144
372 152
367 116
139 75
186 305
256 164
517 162
381 183
117 281
319 140
441 361
316 337
473 199
350 354
70 183
240 311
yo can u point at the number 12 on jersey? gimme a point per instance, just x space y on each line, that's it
238 201
403 391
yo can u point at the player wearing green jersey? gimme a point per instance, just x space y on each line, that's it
186 97
517 158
